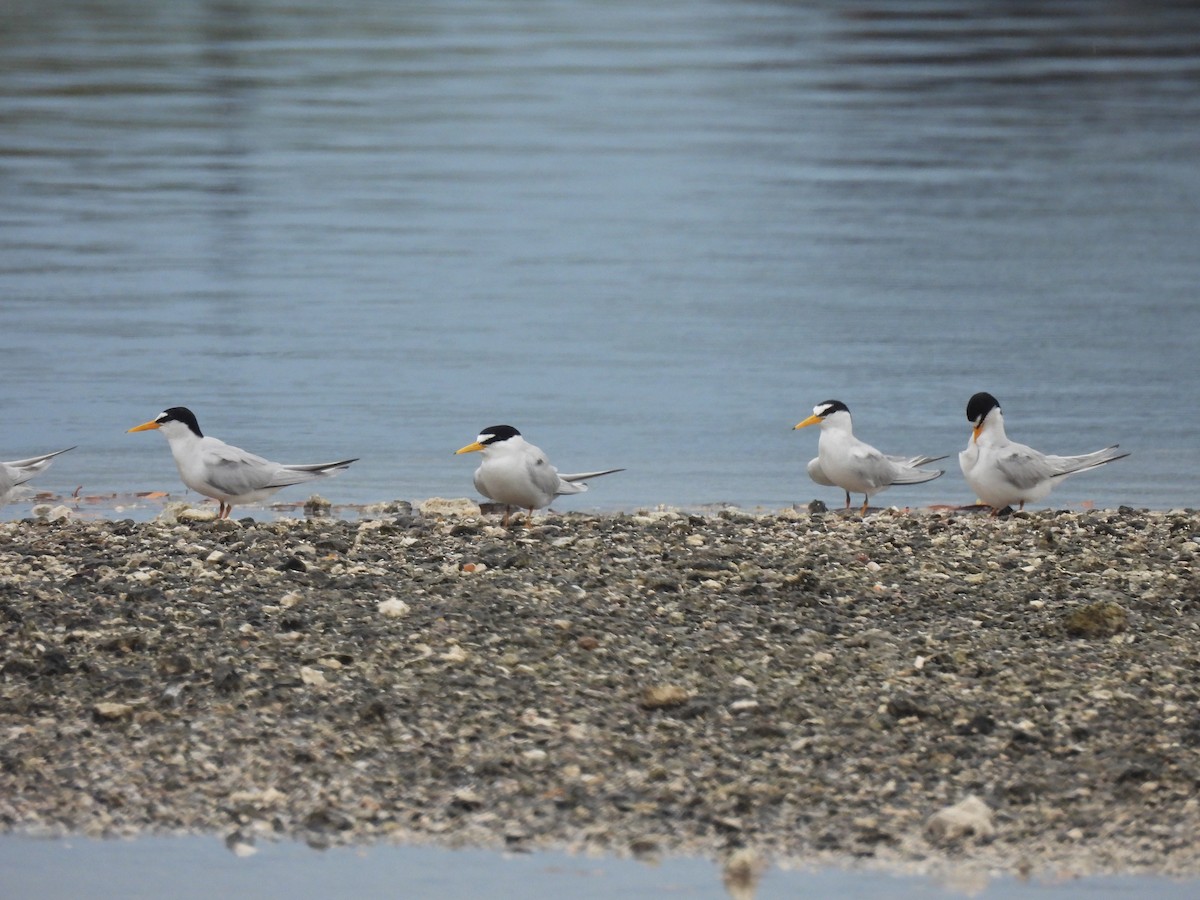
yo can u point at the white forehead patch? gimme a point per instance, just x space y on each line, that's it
821 409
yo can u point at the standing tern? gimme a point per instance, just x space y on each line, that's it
1003 472
226 473
846 462
516 473
19 471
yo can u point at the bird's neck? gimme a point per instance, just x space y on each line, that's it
993 431
181 439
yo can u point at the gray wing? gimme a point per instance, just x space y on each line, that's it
1025 468
907 469
873 466
546 478
296 473
574 483
584 476
906 475
480 485
234 471
21 470
914 462
817 474
1069 465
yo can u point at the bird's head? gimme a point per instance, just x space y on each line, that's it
979 407
490 437
823 411
176 418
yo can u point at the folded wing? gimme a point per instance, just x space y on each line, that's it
573 484
1069 465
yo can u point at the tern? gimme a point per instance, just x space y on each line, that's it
226 473
1003 472
516 473
19 471
846 462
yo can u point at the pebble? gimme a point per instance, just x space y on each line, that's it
970 817
813 687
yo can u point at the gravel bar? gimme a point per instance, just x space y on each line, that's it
795 685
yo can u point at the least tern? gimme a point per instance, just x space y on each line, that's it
516 473
1003 472
846 462
226 473
19 471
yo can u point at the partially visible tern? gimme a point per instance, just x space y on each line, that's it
19 471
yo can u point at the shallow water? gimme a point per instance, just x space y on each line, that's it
649 235
185 868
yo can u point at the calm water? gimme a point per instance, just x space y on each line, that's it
201 868
649 235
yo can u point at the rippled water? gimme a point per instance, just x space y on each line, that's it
649 235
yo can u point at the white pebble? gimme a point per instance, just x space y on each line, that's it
969 817
394 608
313 677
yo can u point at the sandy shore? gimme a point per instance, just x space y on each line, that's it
811 687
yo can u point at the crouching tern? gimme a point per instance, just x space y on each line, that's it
855 466
1002 472
516 473
19 471
228 474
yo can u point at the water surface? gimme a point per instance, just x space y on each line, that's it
649 235
201 868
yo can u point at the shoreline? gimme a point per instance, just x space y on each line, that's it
146 506
805 687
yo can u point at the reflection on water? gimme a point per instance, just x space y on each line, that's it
649 235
